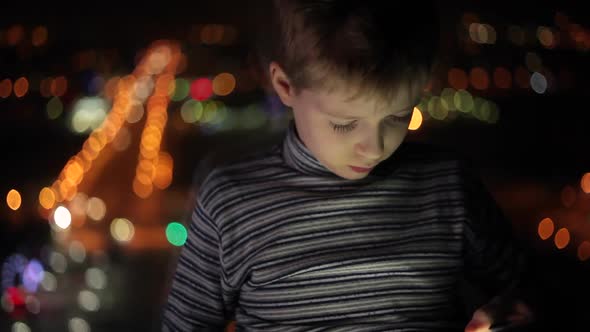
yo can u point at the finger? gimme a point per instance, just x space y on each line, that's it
475 326
480 322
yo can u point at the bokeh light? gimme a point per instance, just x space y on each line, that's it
111 87
78 324
20 327
21 87
546 37
482 33
447 97
479 78
562 238
45 87
463 101
201 89
15 34
181 89
32 275
5 88
224 84
39 36
416 120
163 172
122 229
458 79
54 108
176 234
59 86
96 208
538 83
49 282
32 304
58 262
191 111
13 199
88 300
62 217
546 228
122 140
95 278
77 251
212 34
585 183
584 251
88 114
142 189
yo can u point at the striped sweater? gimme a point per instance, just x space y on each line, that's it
277 242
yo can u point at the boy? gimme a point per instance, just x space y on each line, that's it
342 226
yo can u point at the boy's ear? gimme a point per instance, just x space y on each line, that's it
281 84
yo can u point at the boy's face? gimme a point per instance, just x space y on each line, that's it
342 133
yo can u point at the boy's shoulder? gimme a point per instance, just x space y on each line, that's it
242 161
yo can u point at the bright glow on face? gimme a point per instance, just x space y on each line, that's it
343 132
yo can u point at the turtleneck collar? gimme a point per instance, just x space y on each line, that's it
298 156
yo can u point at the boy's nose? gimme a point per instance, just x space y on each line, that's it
371 149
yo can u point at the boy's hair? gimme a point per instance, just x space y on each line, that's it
368 45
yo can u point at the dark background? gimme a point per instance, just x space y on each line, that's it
537 148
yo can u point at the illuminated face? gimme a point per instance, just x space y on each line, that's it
342 132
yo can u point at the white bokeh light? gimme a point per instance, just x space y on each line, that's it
62 217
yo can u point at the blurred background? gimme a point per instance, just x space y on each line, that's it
111 116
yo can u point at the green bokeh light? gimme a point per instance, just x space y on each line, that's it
176 234
181 87
54 108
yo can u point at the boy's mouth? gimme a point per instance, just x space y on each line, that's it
361 169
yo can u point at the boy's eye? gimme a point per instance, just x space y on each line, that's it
343 128
350 126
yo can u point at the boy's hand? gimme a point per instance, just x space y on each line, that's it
482 320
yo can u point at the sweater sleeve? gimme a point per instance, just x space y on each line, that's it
195 301
494 261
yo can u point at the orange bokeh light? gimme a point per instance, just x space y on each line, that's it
479 78
562 238
458 79
15 34
13 199
142 190
224 84
21 87
5 88
585 183
47 198
39 36
546 228
59 86
584 251
416 120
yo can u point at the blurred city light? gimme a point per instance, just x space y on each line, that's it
176 234
62 217
416 120
13 199
562 238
